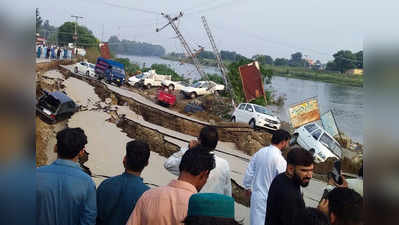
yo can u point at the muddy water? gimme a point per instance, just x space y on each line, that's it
347 102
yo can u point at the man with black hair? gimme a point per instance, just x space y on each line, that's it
168 205
117 196
266 164
344 206
311 216
219 180
285 198
64 193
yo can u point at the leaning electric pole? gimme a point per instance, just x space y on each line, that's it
218 58
182 40
75 35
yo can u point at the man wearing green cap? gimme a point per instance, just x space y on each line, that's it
210 208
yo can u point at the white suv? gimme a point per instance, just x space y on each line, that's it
255 116
85 68
315 139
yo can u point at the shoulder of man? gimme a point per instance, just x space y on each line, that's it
110 182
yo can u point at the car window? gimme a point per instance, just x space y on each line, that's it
196 85
316 134
242 106
330 143
310 127
249 108
263 110
50 103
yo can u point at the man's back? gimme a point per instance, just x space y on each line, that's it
284 201
65 195
117 197
164 205
219 180
267 163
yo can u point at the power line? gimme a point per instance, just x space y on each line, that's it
128 8
212 8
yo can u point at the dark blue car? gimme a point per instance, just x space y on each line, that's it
111 71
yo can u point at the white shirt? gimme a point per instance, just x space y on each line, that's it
219 180
266 164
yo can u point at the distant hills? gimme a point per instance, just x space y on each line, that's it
126 47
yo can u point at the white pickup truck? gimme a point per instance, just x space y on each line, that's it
152 79
202 88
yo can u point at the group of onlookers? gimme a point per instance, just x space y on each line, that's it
54 52
201 193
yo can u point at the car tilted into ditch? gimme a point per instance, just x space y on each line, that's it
315 139
55 106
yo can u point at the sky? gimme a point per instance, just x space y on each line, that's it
316 28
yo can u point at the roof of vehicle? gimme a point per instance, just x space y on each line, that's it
111 62
60 96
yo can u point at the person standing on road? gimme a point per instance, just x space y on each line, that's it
117 196
219 180
168 205
266 164
39 51
58 53
48 52
64 193
285 199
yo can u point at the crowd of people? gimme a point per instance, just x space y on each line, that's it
54 52
200 195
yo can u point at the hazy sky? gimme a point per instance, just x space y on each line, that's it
317 28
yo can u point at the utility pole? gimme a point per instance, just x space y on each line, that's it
75 36
102 34
218 58
182 40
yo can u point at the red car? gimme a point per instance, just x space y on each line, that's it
166 97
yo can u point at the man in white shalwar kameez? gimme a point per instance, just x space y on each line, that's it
219 180
265 164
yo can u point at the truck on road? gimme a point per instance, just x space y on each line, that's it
111 71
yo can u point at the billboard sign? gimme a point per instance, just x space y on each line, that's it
304 112
251 79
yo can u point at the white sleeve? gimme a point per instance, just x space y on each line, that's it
173 162
249 174
281 165
227 190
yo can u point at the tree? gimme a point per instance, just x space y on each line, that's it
296 59
39 20
359 58
232 56
207 55
263 59
343 61
281 62
47 30
85 36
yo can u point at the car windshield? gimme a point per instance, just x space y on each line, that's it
331 144
263 110
140 76
196 85
50 103
91 66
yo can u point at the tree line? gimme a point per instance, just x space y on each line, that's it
126 47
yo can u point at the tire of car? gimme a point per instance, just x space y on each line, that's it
76 69
171 87
252 123
148 86
87 73
193 95
233 119
294 138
